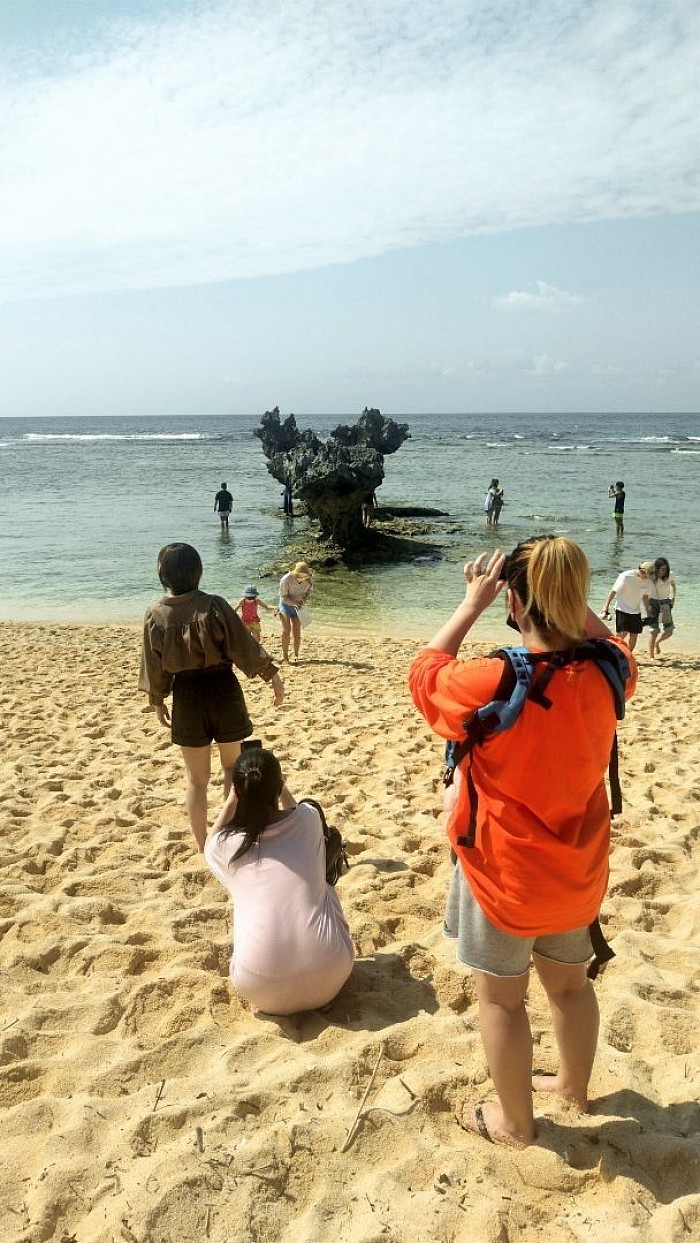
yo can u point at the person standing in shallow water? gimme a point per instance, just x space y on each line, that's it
616 492
223 502
287 499
493 503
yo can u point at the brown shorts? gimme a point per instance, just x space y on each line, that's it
208 706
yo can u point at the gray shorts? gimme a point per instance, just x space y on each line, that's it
486 948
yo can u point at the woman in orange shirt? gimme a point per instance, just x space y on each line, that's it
534 879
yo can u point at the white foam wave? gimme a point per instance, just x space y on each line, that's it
90 436
652 439
572 448
687 452
496 444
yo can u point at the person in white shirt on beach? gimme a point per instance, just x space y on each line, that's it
628 590
292 949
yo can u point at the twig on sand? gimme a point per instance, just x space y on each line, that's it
351 1133
159 1093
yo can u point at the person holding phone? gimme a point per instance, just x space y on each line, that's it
191 641
292 949
529 883
616 492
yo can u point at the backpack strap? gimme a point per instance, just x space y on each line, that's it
518 683
602 952
614 779
613 664
474 724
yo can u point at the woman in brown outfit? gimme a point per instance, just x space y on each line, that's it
191 641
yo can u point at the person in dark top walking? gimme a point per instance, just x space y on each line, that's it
223 502
617 491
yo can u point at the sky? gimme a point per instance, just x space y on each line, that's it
420 205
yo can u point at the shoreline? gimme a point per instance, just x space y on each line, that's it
140 1095
484 634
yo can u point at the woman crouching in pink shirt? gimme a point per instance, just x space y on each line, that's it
292 949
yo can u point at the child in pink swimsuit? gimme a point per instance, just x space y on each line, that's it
248 608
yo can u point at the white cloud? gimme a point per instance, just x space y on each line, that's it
544 298
244 138
543 365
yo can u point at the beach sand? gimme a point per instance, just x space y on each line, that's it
140 1099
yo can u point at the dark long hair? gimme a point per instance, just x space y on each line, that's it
257 780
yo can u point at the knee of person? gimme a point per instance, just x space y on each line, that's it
198 781
567 985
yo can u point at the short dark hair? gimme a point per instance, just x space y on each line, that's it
619 484
179 568
223 485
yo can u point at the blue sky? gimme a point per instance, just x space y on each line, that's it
215 207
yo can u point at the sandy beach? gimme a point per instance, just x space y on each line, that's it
141 1101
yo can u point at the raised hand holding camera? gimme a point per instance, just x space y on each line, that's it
484 581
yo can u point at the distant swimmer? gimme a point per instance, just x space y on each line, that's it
617 491
493 503
223 502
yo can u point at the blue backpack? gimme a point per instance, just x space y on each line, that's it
518 684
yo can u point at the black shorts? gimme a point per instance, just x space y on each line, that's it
208 706
628 623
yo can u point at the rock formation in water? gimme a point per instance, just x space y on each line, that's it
332 476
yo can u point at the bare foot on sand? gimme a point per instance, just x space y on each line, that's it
553 1084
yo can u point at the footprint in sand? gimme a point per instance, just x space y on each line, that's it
20 1082
621 1030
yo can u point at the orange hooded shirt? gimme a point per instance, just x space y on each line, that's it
540 861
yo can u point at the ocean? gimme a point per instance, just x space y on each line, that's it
86 503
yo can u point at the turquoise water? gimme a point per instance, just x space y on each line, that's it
86 503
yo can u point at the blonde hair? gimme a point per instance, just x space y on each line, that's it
302 569
551 575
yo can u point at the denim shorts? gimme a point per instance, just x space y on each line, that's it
660 610
484 947
208 706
